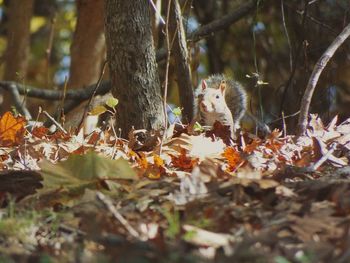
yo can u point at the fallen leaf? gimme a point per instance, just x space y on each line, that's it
11 129
89 171
233 158
183 161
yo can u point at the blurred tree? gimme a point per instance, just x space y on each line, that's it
18 44
88 44
87 54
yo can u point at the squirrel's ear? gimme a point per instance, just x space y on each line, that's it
204 84
222 87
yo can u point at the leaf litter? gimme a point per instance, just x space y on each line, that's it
202 198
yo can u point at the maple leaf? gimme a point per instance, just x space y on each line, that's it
183 161
233 157
221 131
11 129
252 146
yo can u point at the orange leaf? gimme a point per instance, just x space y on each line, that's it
11 129
40 132
152 176
60 135
233 157
252 146
159 162
183 161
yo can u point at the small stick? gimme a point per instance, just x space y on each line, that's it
49 49
92 95
166 76
324 158
61 112
157 12
55 122
17 100
37 118
101 197
284 125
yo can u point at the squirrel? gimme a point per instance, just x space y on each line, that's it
220 99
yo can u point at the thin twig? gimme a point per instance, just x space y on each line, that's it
296 57
285 117
55 122
157 11
18 104
284 125
287 36
324 158
108 203
93 95
166 75
37 118
49 49
61 111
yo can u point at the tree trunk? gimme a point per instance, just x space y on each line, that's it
180 54
132 63
18 44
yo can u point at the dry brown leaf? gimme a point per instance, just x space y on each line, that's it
40 132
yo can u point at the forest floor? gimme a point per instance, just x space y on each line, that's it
98 198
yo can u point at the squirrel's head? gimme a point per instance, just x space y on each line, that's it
212 100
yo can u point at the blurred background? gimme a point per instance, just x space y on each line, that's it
45 43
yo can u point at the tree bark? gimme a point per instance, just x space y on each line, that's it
18 44
180 54
132 63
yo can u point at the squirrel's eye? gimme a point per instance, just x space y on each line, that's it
217 96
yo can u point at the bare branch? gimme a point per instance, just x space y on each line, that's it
320 65
18 102
46 94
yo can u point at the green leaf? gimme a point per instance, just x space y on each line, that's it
36 23
98 110
198 127
177 111
280 259
112 102
80 172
